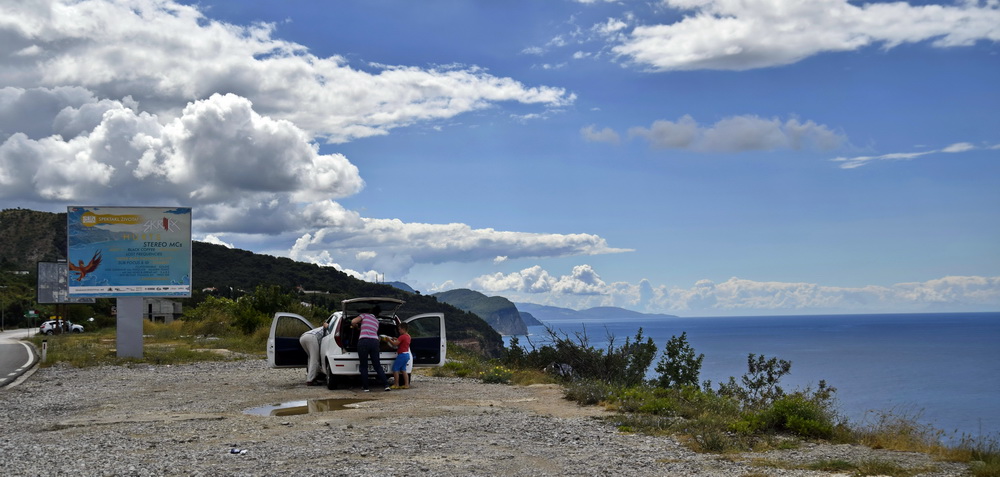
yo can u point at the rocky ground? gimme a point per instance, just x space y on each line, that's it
190 419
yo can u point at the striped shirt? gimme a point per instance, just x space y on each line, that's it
369 326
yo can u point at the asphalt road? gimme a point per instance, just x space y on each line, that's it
16 357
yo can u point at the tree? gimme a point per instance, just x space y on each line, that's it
679 366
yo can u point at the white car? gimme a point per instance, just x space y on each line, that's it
338 348
59 326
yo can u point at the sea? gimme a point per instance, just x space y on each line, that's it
941 370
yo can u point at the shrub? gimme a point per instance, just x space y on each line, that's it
624 365
460 369
497 375
760 384
806 414
588 392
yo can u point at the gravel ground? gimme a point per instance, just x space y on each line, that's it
188 419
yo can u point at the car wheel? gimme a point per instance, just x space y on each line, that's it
331 379
48 332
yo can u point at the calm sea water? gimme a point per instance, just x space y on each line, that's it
943 369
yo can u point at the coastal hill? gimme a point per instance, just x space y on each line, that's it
498 311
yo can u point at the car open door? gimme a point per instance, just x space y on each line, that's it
283 348
427 339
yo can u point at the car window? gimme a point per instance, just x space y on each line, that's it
290 327
353 307
424 328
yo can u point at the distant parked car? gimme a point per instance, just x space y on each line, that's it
338 349
52 327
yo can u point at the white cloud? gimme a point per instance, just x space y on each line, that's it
401 245
858 161
590 133
611 27
244 172
447 285
583 288
529 280
96 44
747 34
733 134
959 147
213 239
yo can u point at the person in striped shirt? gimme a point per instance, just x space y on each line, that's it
368 347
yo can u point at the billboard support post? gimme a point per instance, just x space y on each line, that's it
128 337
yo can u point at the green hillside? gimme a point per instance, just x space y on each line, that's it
30 236
498 311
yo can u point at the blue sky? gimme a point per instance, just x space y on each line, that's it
692 157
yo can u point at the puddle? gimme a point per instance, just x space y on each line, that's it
294 408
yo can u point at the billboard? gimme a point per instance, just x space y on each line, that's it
53 285
128 251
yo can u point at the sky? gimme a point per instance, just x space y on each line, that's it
689 157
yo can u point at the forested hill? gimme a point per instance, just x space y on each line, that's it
498 311
220 268
27 237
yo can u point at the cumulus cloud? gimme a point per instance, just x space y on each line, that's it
858 161
216 240
583 280
583 288
733 134
244 172
747 34
97 44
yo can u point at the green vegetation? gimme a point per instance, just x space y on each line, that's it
861 468
175 343
752 413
